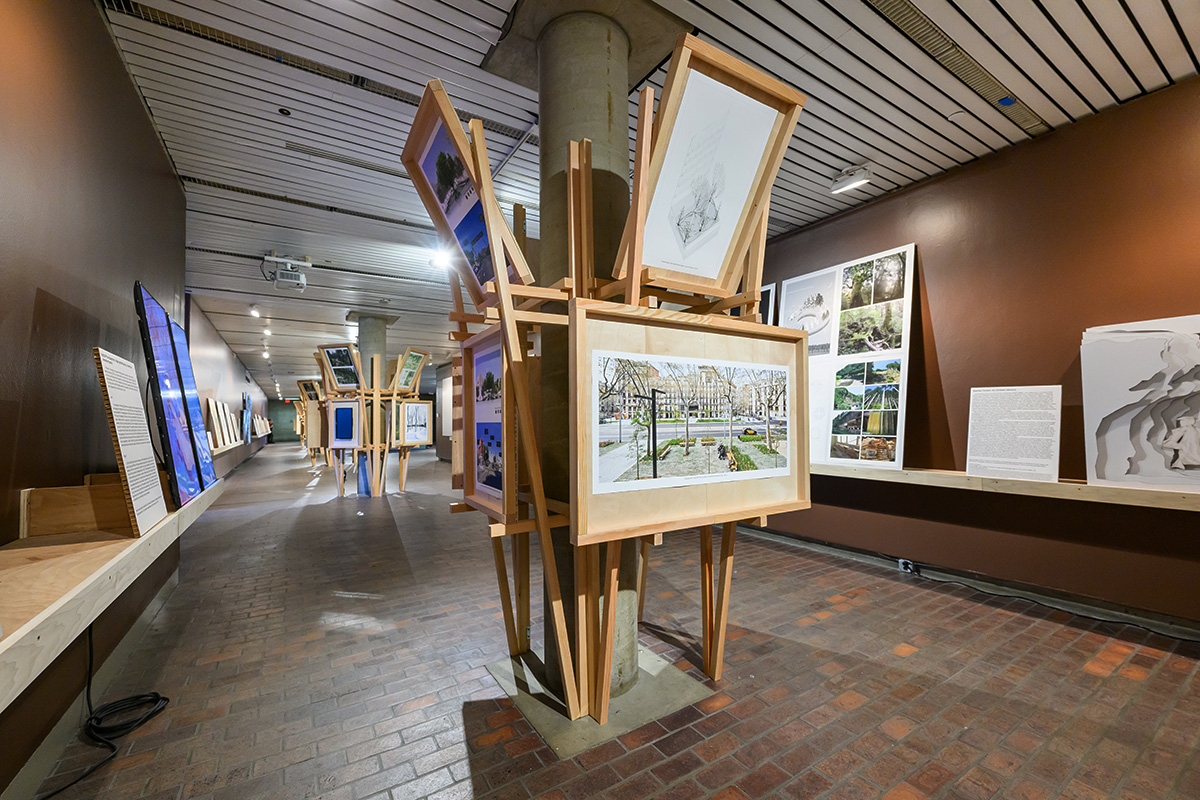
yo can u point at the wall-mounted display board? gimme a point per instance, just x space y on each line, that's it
489 441
438 159
1014 432
191 402
720 133
339 360
727 434
131 441
412 423
179 455
345 424
408 371
1141 404
858 319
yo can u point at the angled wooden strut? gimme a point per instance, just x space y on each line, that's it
514 352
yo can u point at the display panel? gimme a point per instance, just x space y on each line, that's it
175 434
191 398
857 316
717 384
1141 404
339 359
409 370
344 424
489 416
413 424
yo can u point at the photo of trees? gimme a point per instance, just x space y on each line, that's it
852 374
857 283
889 278
846 398
881 397
886 371
872 328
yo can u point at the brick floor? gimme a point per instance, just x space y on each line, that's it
330 648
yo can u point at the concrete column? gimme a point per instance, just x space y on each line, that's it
372 341
583 93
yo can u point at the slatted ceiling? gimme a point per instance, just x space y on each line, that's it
874 96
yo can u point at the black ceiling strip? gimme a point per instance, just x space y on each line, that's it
1075 48
1137 26
1170 9
1115 50
1050 62
1045 93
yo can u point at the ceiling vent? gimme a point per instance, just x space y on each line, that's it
912 22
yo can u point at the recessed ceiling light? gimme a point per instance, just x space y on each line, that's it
266 354
285 112
254 311
266 331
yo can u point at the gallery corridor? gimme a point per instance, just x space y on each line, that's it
336 648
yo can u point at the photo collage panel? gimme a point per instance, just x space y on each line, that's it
866 410
447 176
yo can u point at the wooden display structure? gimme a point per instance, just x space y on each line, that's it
375 414
511 308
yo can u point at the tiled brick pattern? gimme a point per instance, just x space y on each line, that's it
335 648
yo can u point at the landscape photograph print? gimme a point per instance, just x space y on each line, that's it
447 175
710 420
857 283
889 278
872 328
341 364
489 444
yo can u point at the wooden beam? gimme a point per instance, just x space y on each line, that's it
640 201
608 627
728 535
510 628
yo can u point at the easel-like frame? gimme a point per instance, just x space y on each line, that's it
327 367
399 422
411 386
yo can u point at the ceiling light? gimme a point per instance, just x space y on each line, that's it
266 331
266 354
254 311
441 259
851 178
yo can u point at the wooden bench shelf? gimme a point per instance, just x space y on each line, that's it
1065 490
53 586
226 448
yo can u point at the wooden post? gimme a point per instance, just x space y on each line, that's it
640 200
521 579
515 353
505 597
643 569
728 535
608 631
706 596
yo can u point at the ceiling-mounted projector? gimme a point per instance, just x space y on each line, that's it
289 277
287 274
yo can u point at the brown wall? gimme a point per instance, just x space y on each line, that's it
88 205
1017 253
221 375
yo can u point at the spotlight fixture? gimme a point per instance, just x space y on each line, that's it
441 259
266 354
266 331
851 178
254 311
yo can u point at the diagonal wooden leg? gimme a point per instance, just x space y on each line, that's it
583 652
505 598
728 535
706 596
607 632
521 579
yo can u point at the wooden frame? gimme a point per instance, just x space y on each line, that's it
503 507
409 387
436 113
399 423
337 374
627 513
692 57
308 390
345 443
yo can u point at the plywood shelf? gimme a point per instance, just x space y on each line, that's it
1065 490
226 449
52 587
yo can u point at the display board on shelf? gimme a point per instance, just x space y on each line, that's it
178 448
1141 404
858 317
134 450
680 420
1014 432
191 401
438 159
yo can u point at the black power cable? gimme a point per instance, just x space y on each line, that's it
103 733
